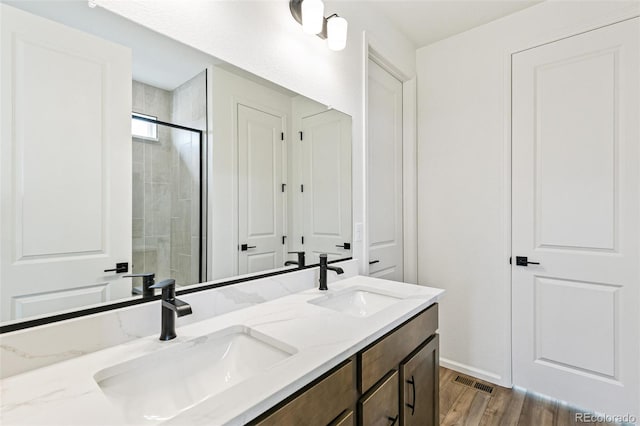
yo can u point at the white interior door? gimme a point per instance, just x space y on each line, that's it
384 139
260 196
326 176
65 172
575 211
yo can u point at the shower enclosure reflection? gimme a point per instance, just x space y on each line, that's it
167 180
166 226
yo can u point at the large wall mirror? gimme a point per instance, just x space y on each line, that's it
124 152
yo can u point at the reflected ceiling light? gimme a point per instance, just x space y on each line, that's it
309 14
336 32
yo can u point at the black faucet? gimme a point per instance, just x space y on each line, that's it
300 261
170 305
323 271
148 279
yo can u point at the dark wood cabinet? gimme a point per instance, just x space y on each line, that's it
419 386
410 352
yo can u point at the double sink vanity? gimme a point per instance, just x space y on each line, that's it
363 352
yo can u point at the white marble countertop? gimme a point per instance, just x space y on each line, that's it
67 393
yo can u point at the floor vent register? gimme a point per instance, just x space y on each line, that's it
468 381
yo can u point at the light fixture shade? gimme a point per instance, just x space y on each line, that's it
312 16
337 33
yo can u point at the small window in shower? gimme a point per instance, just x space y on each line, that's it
143 129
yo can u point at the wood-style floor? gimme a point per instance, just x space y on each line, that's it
465 405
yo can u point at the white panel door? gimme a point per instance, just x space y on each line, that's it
65 159
260 197
384 139
576 327
326 176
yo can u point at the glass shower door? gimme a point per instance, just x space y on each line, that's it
167 201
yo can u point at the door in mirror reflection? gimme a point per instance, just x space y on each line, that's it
65 161
260 195
326 199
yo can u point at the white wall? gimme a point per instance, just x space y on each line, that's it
263 38
464 175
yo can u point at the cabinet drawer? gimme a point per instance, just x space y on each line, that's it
319 404
387 353
379 407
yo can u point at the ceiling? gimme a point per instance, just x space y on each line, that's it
427 21
156 59
166 63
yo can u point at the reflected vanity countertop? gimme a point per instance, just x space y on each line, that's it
317 336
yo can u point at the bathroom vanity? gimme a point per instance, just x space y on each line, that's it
363 352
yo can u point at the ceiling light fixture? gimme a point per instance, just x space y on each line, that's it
310 14
336 32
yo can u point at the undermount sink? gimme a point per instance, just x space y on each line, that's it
158 386
357 302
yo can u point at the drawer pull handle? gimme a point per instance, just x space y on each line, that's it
393 420
412 382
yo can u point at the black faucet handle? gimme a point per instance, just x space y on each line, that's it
164 284
301 259
148 278
143 275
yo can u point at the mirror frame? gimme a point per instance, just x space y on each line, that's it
109 306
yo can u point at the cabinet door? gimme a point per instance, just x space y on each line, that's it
419 391
379 407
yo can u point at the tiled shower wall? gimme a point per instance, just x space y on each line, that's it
189 108
166 182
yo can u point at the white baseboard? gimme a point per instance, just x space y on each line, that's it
478 373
